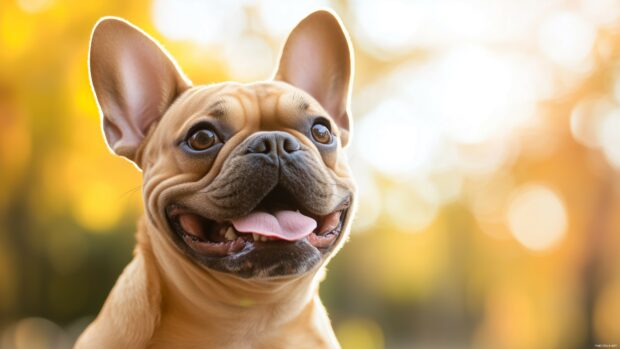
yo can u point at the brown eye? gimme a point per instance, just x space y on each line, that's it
202 139
321 133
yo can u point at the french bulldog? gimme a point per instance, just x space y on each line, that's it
246 187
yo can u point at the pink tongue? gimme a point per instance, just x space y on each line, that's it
285 225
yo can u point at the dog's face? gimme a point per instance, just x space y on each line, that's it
249 179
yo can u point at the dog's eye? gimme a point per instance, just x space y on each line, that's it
321 133
202 139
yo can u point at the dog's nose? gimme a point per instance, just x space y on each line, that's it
276 142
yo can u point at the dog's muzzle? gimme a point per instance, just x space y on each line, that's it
272 207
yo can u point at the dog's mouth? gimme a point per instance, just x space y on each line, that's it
277 220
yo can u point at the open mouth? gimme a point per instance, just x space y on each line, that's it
276 220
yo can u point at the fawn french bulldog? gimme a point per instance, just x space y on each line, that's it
246 189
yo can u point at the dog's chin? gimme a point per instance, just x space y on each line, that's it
220 246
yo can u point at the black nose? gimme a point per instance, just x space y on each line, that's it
276 142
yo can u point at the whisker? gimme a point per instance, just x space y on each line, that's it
129 192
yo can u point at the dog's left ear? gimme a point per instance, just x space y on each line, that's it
317 58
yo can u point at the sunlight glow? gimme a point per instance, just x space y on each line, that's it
454 111
280 16
479 92
250 58
394 140
537 217
199 21
388 25
567 39
605 12
389 28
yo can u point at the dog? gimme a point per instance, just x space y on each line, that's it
246 187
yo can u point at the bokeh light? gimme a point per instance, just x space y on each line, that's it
537 217
567 38
35 333
483 93
609 136
392 126
586 119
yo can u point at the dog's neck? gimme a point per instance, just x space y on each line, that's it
196 299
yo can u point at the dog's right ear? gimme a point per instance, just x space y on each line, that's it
134 79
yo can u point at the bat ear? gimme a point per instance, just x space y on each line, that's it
134 80
317 58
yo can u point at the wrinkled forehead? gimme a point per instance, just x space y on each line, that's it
263 105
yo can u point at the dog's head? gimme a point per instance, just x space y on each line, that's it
249 179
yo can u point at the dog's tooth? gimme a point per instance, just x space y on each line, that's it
230 234
256 237
264 238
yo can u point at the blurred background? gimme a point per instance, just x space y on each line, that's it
486 147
